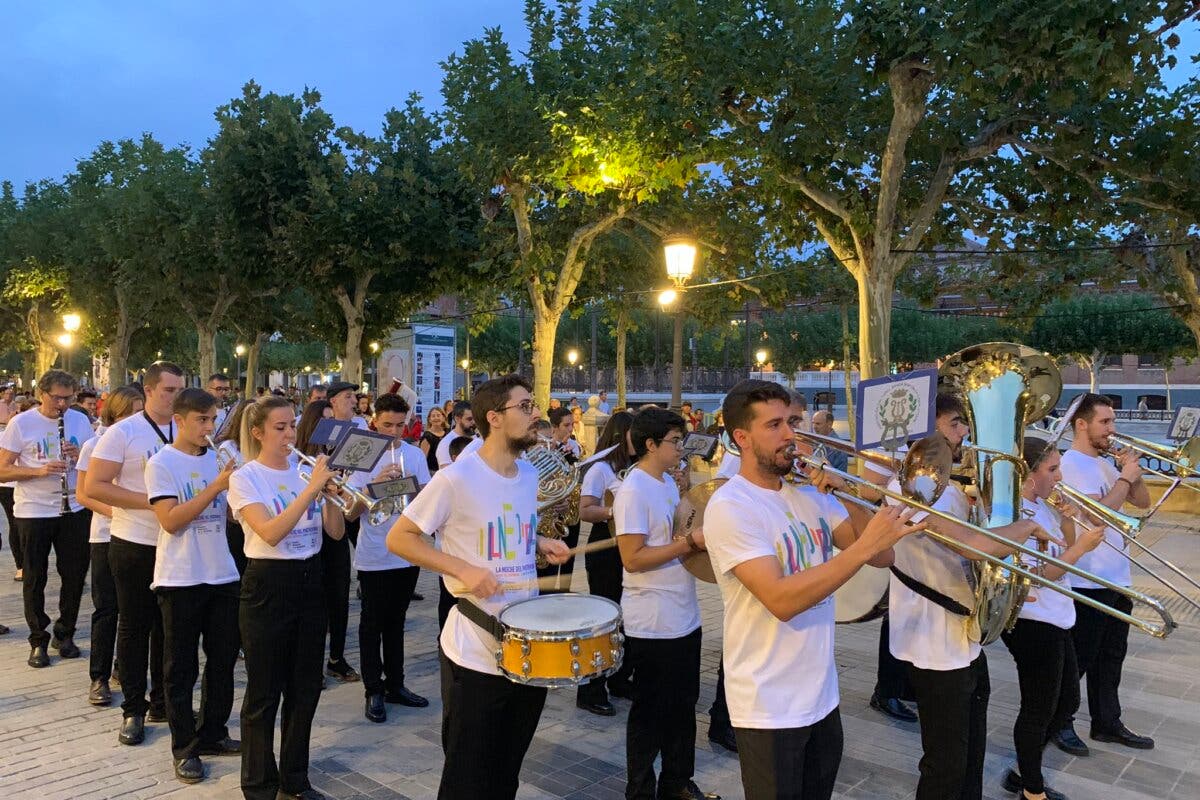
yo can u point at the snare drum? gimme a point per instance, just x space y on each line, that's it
560 639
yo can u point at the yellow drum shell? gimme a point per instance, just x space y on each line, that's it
555 658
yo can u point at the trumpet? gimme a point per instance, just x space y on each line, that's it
339 484
1128 526
382 509
923 476
223 458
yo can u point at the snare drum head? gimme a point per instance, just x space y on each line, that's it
560 612
863 597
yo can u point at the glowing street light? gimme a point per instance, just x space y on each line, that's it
65 340
761 358
572 356
680 254
71 322
667 297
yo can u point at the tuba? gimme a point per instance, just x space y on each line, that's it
1004 387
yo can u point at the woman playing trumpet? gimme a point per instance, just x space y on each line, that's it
1040 642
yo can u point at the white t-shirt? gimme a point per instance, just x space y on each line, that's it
219 422
1096 476
659 603
275 490
599 479
443 448
922 632
198 553
1047 605
371 553
730 465
131 442
99 532
34 438
572 448
489 521
777 674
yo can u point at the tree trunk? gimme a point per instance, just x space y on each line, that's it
1167 380
875 289
206 335
521 340
677 360
252 356
44 352
545 329
1096 363
622 338
353 312
846 371
118 346
44 356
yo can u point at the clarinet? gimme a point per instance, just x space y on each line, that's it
62 453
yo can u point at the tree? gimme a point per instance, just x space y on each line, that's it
38 293
556 144
870 120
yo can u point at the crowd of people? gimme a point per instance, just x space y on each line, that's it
218 526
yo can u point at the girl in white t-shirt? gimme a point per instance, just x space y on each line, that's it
229 445
282 614
121 403
1040 642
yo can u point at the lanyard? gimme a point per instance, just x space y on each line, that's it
170 437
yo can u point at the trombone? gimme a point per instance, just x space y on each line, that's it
1128 526
1184 459
340 484
923 476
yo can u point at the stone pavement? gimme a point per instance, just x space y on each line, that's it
54 746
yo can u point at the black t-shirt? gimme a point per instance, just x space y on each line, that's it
431 459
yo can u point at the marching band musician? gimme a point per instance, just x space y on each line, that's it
38 451
1101 641
772 543
661 613
282 614
1040 642
386 579
928 597
484 509
561 424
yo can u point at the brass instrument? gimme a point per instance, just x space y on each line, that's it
223 458
1184 459
925 473
558 481
338 484
386 507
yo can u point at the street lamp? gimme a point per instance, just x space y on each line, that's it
761 358
374 346
71 322
572 356
65 340
466 365
238 352
679 252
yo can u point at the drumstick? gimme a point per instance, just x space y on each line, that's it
551 581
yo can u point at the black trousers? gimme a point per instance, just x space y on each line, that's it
191 615
335 570
791 763
1100 645
282 620
68 536
662 717
562 573
604 579
14 536
718 712
1049 680
890 672
446 601
139 626
488 722
236 537
953 729
385 598
104 614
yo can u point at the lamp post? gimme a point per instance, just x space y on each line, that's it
761 358
679 252
238 352
375 366
65 340
573 359
71 324
466 365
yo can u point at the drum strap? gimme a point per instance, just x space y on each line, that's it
485 621
929 593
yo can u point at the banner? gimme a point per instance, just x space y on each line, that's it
895 409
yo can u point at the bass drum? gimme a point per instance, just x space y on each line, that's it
862 598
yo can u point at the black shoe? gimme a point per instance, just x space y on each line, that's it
65 647
342 671
4 629
417 596
689 792
225 747
621 689
894 708
404 697
601 708
1122 735
133 730
38 657
1012 783
375 710
156 714
307 794
1069 742
723 735
189 770
100 694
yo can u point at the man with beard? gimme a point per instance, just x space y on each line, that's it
928 598
771 544
463 420
484 508
1100 640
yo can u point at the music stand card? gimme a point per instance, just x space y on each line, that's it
329 431
1184 423
397 487
699 444
895 409
359 450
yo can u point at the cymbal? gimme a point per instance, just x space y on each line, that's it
689 516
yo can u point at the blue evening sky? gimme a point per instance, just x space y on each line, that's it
76 72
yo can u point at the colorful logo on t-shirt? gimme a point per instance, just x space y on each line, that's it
190 489
507 537
797 545
47 447
281 501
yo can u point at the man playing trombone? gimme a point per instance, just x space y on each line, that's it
1101 640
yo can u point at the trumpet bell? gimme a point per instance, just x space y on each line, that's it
925 472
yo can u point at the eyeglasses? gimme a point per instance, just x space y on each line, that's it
678 441
61 398
526 406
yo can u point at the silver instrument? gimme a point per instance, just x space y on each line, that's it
62 453
223 458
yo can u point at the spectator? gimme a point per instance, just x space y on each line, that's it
822 423
604 407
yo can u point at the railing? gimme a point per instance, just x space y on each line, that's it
645 379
